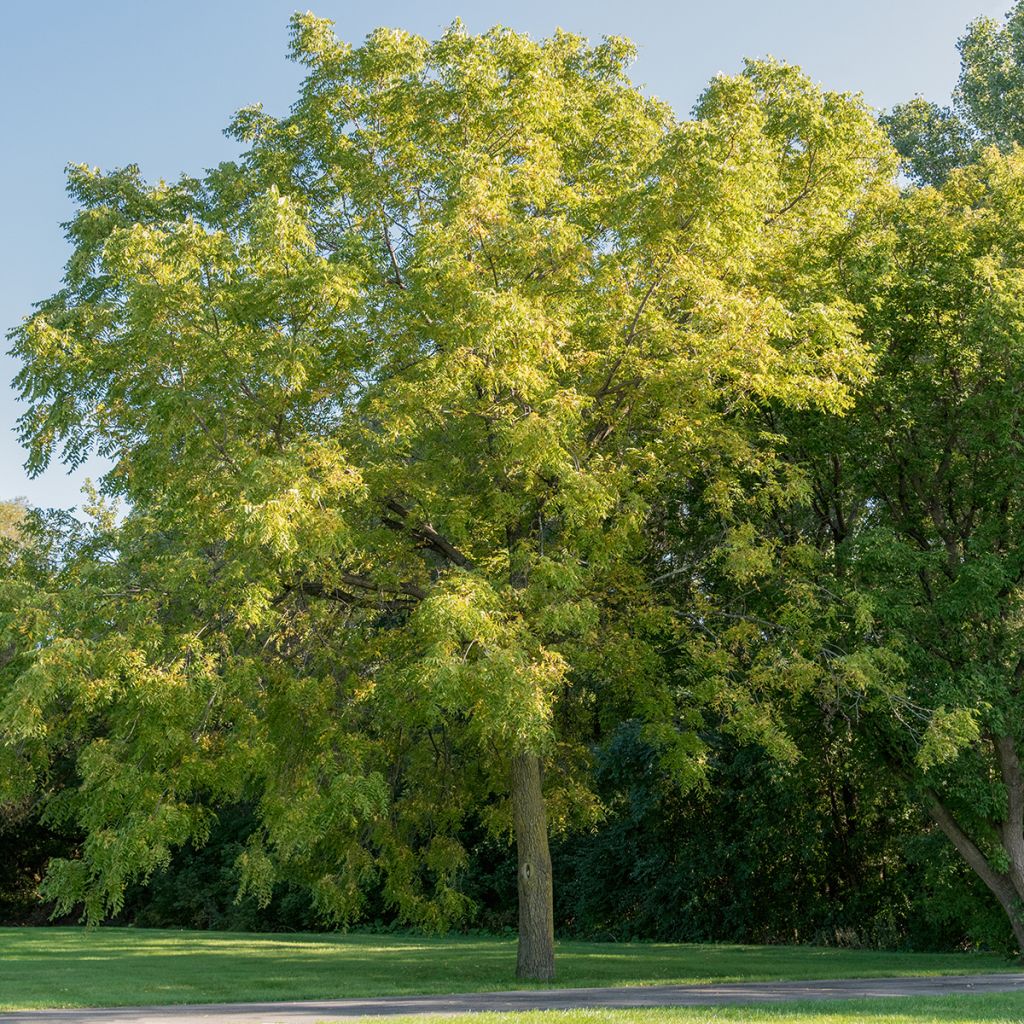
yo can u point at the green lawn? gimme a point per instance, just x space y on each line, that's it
946 1010
50 967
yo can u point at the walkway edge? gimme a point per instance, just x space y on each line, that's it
633 997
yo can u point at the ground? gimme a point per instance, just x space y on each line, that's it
953 1010
73 967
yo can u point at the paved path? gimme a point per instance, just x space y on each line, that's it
317 1010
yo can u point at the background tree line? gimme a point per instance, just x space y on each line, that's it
507 458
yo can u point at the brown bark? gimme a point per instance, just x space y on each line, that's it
1001 884
1013 827
536 958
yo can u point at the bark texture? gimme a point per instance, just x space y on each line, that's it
1007 886
536 959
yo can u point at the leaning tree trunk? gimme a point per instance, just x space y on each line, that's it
536 959
998 882
1006 885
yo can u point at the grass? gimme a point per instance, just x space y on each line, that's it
72 967
990 1009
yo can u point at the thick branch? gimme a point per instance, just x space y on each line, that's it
409 592
997 882
391 251
365 583
426 536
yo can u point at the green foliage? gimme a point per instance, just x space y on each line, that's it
917 509
991 87
26 847
392 401
988 104
938 542
12 519
198 889
932 140
826 851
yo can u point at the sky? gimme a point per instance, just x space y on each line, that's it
110 82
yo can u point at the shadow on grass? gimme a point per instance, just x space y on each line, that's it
109 967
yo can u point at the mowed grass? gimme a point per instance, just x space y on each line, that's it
990 1009
69 967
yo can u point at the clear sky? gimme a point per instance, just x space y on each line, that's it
109 82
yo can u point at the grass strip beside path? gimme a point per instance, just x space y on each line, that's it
73 967
986 1009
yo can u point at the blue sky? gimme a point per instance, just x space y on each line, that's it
110 82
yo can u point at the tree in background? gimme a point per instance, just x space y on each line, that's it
918 503
987 108
393 401
32 545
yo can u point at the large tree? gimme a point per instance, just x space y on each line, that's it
391 400
918 512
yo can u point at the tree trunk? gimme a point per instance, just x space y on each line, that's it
1012 831
1013 907
536 959
1000 883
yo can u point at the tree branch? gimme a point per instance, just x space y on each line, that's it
426 535
998 883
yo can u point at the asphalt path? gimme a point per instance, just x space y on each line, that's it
318 1010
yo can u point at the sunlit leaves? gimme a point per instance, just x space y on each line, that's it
396 401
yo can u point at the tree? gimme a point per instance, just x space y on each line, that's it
932 140
813 851
31 545
390 399
987 109
12 517
919 506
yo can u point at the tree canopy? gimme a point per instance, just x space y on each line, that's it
485 437
919 494
987 107
393 402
